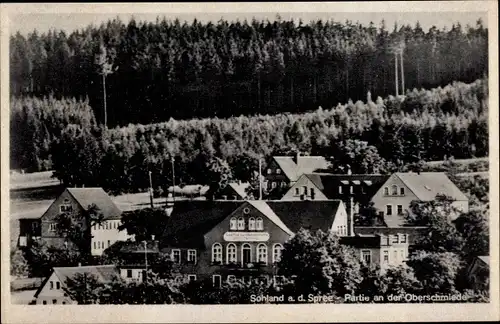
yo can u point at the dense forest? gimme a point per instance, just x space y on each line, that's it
150 72
423 125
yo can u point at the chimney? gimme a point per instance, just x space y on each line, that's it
350 217
79 264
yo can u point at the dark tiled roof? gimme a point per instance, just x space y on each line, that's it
312 215
88 196
138 247
361 241
329 183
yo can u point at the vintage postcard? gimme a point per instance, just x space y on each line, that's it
249 162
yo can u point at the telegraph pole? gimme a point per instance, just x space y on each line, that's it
260 178
173 178
146 260
151 190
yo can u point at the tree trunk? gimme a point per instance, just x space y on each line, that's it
104 96
402 75
291 90
396 72
258 94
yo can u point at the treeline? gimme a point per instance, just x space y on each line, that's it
423 126
193 70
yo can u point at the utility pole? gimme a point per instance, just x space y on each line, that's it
402 73
173 178
146 260
260 178
151 190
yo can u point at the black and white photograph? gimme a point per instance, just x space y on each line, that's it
257 157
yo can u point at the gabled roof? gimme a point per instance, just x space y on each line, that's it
264 208
426 185
88 196
240 188
305 164
308 214
485 259
329 183
190 220
103 273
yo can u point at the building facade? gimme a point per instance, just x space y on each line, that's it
243 240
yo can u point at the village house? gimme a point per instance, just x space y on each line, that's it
242 240
284 171
52 291
76 203
478 273
380 250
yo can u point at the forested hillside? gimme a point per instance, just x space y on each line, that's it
194 70
424 125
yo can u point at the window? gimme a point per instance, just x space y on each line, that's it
297 191
232 224
278 280
395 255
129 273
366 256
386 191
98 244
262 253
386 256
394 191
340 189
273 184
95 245
191 278
278 171
231 253
403 238
109 243
52 227
51 285
251 224
216 281
388 210
54 301
269 171
351 189
216 252
58 285
66 207
277 249
259 225
305 190
283 184
402 254
191 256
400 209
44 302
312 193
402 191
241 223
176 256
395 239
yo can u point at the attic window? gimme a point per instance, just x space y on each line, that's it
269 171
278 171
246 210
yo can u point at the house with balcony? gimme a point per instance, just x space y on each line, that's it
242 240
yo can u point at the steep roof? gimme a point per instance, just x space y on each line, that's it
308 214
485 259
190 220
88 196
103 273
329 183
305 164
240 188
264 208
426 185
